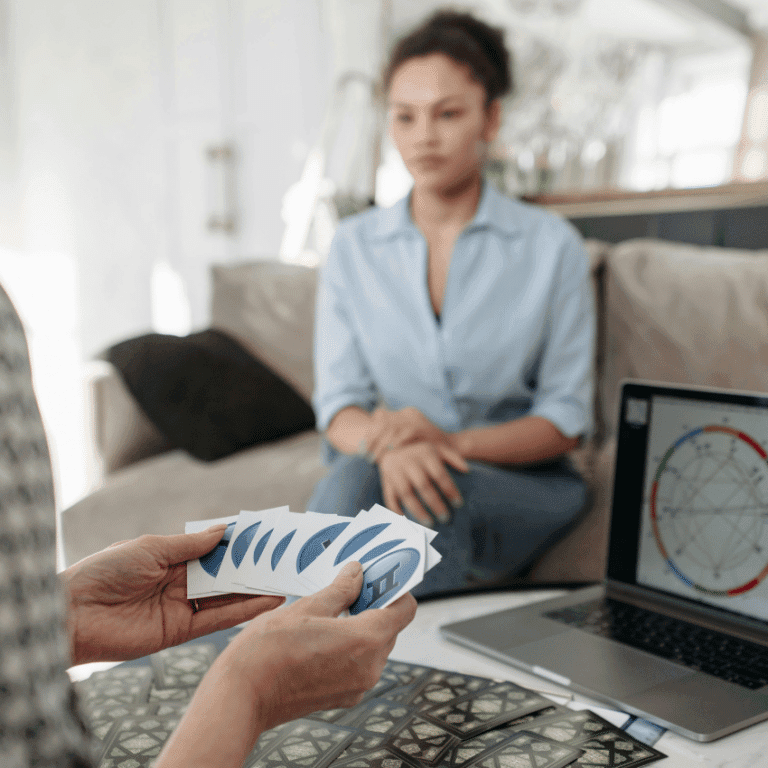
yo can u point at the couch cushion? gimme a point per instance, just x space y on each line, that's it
159 495
686 314
269 307
122 432
207 394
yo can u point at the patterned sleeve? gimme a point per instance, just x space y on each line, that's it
39 723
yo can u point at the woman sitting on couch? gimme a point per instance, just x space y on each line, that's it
454 334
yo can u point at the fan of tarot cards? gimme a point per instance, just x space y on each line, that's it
414 717
278 552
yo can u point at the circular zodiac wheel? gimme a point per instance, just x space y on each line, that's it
709 510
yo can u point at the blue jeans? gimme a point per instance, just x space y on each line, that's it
508 519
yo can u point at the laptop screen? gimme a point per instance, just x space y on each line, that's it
702 532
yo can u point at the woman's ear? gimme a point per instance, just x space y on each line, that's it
492 121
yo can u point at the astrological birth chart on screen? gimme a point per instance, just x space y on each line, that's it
704 529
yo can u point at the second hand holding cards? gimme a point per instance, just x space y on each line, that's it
278 552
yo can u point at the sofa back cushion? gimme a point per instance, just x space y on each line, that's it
685 314
269 307
598 251
123 433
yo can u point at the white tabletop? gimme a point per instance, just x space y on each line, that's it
421 643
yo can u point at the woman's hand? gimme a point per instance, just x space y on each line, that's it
394 429
289 663
417 473
130 599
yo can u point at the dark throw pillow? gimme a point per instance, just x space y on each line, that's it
207 394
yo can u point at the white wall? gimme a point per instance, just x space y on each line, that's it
90 154
10 229
79 189
90 106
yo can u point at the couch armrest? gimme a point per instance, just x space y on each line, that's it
122 433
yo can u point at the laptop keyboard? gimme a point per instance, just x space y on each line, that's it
715 653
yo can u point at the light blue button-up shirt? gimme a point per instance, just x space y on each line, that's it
515 334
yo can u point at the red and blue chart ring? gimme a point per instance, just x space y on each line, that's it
734 591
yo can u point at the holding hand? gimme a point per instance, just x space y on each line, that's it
417 473
130 599
313 658
286 664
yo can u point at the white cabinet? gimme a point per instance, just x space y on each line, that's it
244 88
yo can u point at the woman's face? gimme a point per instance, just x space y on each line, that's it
439 121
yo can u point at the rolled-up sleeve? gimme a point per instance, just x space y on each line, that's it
342 377
565 386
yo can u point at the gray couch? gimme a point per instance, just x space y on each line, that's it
667 312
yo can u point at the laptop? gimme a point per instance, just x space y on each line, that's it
678 631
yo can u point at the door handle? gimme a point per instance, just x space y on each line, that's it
221 161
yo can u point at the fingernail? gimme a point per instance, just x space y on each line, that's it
351 569
217 527
443 519
457 503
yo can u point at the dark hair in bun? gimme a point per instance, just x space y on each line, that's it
466 40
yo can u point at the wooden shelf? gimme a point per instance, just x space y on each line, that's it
615 202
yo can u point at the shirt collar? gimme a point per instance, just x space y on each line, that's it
495 211
395 220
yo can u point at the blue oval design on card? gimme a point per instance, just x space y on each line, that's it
259 548
359 540
242 542
213 560
380 550
317 544
280 548
382 578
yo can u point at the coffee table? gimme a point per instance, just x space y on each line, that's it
421 643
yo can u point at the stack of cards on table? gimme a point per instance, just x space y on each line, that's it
278 552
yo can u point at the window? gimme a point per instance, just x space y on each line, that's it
689 119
